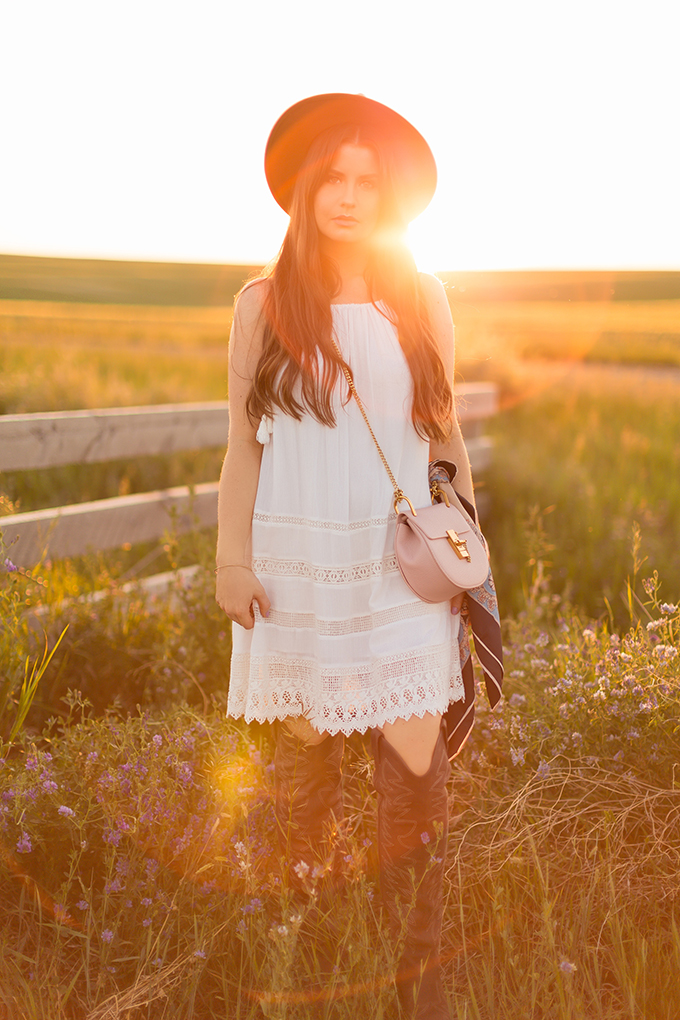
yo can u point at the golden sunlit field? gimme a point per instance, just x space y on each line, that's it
589 416
57 356
624 332
138 872
68 356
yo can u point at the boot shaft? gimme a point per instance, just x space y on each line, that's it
412 839
308 802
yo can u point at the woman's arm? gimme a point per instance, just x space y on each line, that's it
453 448
237 586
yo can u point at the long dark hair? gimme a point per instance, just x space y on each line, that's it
299 368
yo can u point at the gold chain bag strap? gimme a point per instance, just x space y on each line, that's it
437 550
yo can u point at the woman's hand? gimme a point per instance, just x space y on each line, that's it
457 603
236 590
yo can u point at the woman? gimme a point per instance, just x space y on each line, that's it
328 638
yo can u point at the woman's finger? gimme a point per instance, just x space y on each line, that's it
263 603
456 603
246 620
241 611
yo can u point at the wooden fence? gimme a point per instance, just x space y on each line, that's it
37 441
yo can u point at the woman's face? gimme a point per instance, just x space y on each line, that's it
347 204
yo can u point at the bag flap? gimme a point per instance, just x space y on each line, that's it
434 521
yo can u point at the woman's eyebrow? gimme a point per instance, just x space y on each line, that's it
363 177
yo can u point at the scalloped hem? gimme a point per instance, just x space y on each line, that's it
347 727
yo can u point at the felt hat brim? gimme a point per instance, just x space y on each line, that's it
296 129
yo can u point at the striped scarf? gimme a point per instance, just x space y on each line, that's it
480 618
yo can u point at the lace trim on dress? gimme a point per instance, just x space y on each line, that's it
350 625
325 575
314 522
355 698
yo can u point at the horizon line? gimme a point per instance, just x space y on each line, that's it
256 265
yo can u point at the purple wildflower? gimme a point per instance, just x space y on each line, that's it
24 845
425 838
66 812
517 755
9 566
107 935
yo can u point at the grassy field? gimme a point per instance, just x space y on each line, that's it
140 877
56 356
593 438
138 873
493 334
171 283
596 451
108 281
104 350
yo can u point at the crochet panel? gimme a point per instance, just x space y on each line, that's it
324 575
322 525
355 698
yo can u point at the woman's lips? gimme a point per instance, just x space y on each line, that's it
345 221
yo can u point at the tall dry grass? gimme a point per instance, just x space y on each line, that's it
139 875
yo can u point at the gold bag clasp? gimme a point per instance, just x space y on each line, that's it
399 497
436 492
459 545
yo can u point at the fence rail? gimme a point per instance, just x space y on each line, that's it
30 441
38 441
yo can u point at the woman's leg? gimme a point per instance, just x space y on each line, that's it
308 785
415 740
410 777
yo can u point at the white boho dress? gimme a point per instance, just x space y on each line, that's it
346 644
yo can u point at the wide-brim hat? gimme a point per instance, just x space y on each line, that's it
296 129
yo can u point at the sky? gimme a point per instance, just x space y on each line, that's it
136 129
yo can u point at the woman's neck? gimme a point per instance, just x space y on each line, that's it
350 262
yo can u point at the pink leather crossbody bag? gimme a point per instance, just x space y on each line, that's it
438 551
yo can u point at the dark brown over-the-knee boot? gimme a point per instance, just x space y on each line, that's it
412 832
308 785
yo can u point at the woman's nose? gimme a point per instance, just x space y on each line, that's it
348 197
